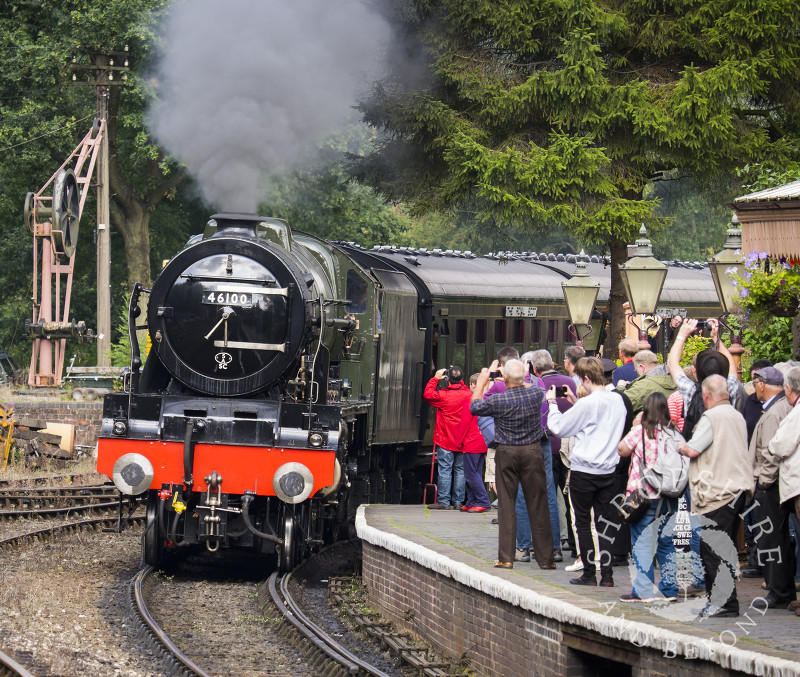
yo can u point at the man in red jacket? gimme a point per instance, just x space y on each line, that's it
448 393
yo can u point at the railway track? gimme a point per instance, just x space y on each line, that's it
283 623
332 657
150 631
48 502
54 496
53 531
67 479
10 668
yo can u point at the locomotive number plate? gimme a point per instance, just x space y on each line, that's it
228 298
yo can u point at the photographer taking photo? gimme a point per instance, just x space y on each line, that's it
449 395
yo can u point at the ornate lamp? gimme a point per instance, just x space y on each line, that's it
726 264
580 294
643 278
723 267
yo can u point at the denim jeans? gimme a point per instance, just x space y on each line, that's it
523 523
652 535
451 476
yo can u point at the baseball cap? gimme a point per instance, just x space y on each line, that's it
768 375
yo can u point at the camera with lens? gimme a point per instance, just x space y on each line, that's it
495 374
561 391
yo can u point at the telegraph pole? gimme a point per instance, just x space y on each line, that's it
104 67
103 222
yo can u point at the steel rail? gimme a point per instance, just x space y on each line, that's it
165 647
10 668
284 602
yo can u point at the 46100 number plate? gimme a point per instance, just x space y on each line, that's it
228 298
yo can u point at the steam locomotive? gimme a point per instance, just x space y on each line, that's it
283 386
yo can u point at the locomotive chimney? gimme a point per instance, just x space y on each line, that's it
249 225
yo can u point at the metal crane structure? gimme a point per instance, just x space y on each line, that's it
54 222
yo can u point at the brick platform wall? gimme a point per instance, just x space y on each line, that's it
87 417
494 638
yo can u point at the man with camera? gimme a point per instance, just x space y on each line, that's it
518 459
448 394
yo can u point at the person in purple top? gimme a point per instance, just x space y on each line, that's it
544 369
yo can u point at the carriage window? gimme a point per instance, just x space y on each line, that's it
356 293
536 331
519 331
445 328
569 334
500 332
552 331
461 331
480 331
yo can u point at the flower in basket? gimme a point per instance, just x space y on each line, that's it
768 287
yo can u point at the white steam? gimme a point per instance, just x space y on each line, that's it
248 87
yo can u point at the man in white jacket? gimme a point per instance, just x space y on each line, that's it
596 423
785 449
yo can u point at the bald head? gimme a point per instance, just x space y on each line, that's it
715 390
514 373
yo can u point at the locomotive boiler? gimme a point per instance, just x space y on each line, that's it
283 386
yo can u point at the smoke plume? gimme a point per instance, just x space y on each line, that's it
247 87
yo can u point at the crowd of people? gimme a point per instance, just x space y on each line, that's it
594 458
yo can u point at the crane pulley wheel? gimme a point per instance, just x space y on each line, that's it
66 212
27 212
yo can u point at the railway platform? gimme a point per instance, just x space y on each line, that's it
431 572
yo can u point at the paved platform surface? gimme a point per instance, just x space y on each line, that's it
470 539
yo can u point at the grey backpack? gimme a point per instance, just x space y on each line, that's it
669 475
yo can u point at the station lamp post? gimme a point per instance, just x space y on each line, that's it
724 266
643 278
580 294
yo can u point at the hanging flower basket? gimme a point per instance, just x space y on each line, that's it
784 308
769 288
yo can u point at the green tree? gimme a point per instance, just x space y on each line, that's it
43 117
539 114
322 199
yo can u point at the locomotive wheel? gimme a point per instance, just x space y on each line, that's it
153 542
288 556
66 212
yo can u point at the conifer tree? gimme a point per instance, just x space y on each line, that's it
562 112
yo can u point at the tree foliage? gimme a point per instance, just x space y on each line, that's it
555 113
43 117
